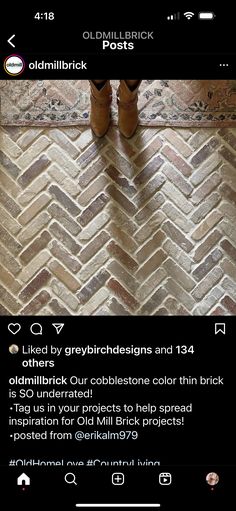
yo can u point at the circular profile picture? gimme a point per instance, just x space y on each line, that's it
212 478
13 349
14 65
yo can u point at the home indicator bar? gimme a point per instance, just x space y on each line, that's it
119 505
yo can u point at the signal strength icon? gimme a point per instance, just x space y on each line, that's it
189 15
173 17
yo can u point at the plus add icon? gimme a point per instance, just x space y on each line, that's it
117 478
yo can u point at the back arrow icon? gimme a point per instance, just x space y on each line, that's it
9 40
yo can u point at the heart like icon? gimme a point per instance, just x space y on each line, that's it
14 328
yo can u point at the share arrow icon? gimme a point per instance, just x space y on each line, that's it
58 327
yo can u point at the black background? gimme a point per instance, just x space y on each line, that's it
181 50
184 49
206 442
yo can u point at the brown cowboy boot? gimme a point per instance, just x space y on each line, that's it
100 115
127 99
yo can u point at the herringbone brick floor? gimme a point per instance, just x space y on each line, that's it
116 227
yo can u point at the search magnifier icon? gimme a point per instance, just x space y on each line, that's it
70 478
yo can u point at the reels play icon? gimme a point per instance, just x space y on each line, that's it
14 65
165 478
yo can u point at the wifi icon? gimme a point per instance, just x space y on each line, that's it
188 15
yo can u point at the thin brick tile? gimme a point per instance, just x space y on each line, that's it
94 246
58 251
121 181
12 169
149 171
33 171
7 239
62 235
122 256
58 213
177 236
38 282
9 203
58 308
119 197
63 275
64 199
121 293
93 285
93 209
122 164
36 304
207 264
229 248
153 302
35 247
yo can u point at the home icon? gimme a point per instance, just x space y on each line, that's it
23 480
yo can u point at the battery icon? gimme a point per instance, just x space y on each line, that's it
206 15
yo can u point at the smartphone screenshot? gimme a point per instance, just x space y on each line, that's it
118 257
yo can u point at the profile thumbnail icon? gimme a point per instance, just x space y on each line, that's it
212 478
13 349
14 65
